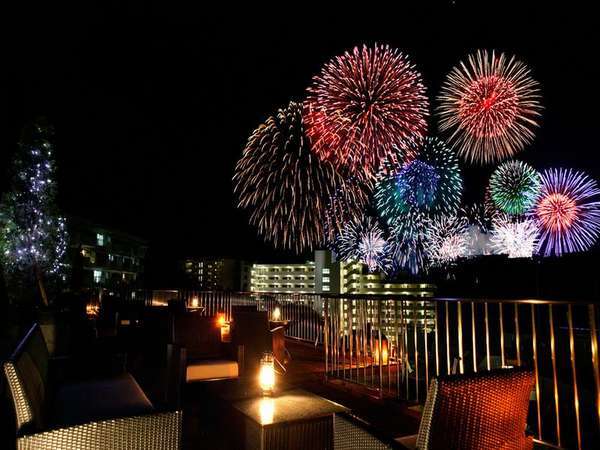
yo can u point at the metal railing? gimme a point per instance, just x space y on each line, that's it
303 311
396 345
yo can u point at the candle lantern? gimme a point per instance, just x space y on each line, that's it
266 376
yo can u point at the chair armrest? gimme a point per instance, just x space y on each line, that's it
176 372
276 329
156 431
349 428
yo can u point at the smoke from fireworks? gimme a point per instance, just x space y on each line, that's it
286 188
514 187
364 106
446 239
489 106
429 184
567 212
364 242
514 237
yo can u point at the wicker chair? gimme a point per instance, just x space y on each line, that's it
486 410
95 414
196 344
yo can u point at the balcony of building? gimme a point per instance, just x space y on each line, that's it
362 368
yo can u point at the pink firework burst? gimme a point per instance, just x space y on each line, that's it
364 107
567 212
490 106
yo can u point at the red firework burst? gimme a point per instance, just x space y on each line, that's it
490 106
364 107
557 212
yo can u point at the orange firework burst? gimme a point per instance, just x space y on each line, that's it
489 106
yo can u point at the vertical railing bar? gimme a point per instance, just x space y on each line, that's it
350 339
595 363
501 320
398 348
448 370
380 349
389 351
460 339
371 345
343 318
415 335
436 337
364 338
574 372
473 337
554 376
535 367
405 313
325 334
517 335
487 335
426 349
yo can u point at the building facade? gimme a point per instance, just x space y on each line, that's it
325 275
105 258
215 274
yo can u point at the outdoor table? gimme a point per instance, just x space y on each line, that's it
292 419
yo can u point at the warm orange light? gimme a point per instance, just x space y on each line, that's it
226 333
92 310
221 322
384 353
195 303
266 375
276 315
266 409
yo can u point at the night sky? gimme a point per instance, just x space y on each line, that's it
152 104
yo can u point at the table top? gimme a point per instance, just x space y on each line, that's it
287 406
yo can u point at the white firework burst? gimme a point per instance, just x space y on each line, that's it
517 238
446 239
364 242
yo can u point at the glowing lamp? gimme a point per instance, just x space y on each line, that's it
276 315
92 310
195 303
266 376
384 353
225 328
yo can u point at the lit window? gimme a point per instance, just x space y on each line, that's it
326 288
111 257
325 270
97 276
100 239
325 279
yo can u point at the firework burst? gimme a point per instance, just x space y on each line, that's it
479 218
514 237
364 242
490 106
365 106
287 189
446 239
429 184
408 237
514 187
567 212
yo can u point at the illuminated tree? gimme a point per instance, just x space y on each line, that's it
33 237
